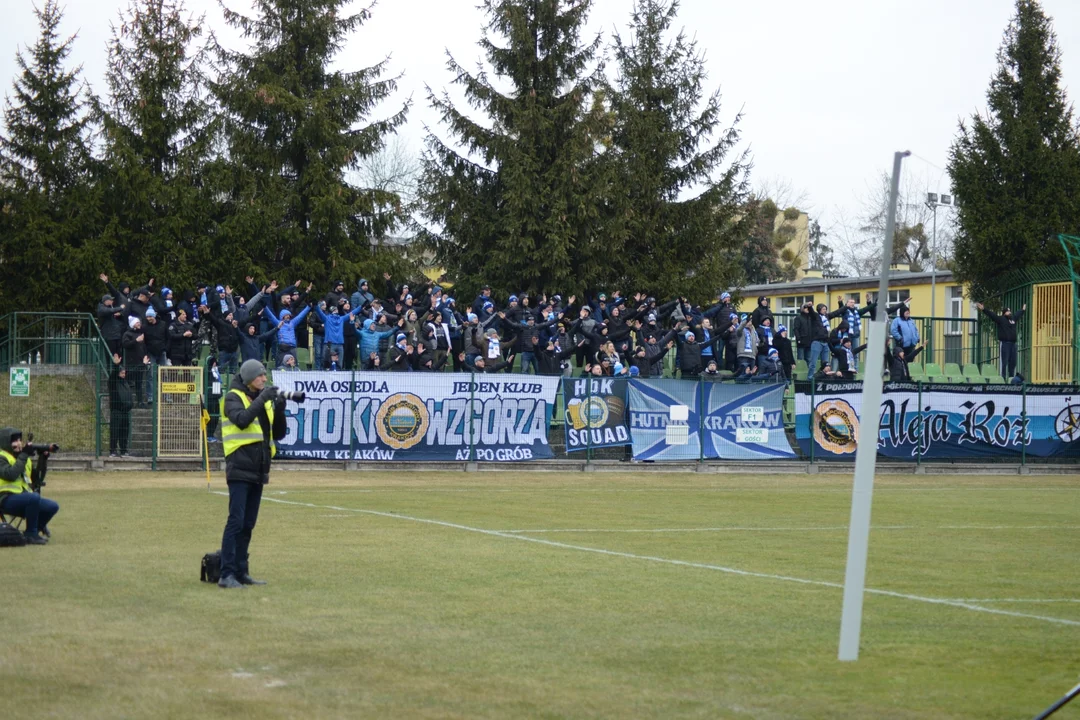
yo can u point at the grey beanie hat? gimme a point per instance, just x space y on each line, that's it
250 370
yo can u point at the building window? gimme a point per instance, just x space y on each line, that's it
956 310
792 304
898 296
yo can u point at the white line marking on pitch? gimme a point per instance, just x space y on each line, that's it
826 528
1017 600
680 563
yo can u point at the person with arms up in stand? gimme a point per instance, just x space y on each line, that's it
252 419
1006 331
16 496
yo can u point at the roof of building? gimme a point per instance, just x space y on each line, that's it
812 283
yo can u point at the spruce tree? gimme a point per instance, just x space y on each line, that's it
294 127
157 206
518 198
1016 170
678 219
45 179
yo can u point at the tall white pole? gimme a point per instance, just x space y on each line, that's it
933 270
866 454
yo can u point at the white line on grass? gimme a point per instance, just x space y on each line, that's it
1017 600
824 528
680 563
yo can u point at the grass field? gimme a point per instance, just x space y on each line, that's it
544 595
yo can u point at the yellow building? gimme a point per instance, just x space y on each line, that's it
955 338
903 284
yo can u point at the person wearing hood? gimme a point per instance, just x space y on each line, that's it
288 363
904 331
121 402
1006 332
481 299
372 333
16 496
783 349
286 339
762 311
112 314
252 421
550 355
898 363
363 295
136 358
251 341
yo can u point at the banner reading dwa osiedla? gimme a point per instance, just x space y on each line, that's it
418 416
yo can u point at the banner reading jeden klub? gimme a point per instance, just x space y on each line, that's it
595 413
418 416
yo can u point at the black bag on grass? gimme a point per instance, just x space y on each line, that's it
10 537
211 567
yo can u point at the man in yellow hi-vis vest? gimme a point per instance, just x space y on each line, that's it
252 418
16 497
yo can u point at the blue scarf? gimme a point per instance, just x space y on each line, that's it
747 342
852 363
224 307
706 350
854 321
768 336
824 321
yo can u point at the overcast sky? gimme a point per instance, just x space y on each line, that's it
829 89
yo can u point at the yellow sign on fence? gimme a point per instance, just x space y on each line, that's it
180 410
186 388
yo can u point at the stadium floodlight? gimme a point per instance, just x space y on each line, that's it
866 452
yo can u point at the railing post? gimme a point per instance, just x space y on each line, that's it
352 411
810 416
919 439
588 409
1023 425
472 415
701 419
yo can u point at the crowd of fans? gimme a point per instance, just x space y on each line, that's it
424 329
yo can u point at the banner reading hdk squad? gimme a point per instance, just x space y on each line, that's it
595 413
418 416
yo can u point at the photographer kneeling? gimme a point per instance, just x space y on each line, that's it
252 418
16 495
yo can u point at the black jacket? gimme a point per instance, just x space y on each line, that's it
841 357
803 328
251 463
180 346
1006 327
157 336
121 396
134 348
783 347
898 367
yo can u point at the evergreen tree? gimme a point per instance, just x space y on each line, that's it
294 127
1016 170
821 255
521 205
759 250
45 184
157 205
678 217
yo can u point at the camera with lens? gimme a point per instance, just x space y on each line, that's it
40 448
290 395
41 465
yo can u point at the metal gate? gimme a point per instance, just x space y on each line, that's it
1051 328
179 416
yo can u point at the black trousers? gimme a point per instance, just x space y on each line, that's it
1008 360
119 430
244 501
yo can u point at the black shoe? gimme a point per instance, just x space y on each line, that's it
246 579
45 532
229 583
35 540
